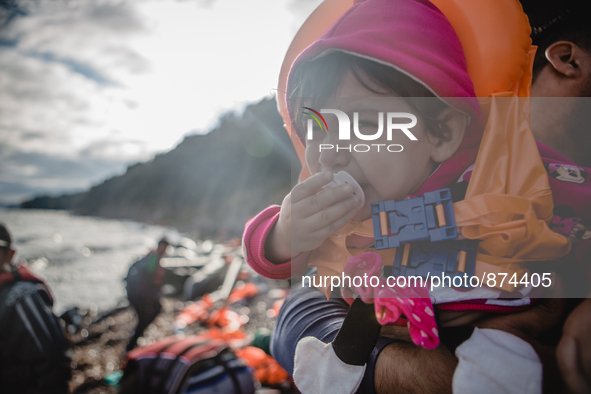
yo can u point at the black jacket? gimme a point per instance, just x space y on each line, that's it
33 346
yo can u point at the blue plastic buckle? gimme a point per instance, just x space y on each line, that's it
430 217
426 259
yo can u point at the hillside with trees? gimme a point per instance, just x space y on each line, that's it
208 185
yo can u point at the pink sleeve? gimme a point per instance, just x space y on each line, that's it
255 235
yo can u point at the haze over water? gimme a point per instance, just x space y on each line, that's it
83 259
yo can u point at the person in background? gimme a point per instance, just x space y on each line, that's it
562 70
143 284
34 350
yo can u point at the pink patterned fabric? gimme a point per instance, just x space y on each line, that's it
392 303
571 192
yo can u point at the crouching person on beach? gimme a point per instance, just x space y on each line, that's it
33 346
143 284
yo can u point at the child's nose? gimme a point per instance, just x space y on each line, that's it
334 158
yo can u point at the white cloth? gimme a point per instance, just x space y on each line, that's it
318 370
494 361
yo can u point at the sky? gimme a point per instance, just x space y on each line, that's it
89 87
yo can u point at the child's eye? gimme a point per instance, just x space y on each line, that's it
368 124
367 127
317 133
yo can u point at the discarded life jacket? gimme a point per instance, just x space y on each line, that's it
267 369
194 364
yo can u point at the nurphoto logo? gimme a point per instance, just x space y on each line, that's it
345 129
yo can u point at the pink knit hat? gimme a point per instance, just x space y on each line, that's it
416 39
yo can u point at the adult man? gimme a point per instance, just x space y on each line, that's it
33 346
562 69
143 283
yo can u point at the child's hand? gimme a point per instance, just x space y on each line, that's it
308 216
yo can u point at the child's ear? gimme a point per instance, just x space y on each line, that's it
452 127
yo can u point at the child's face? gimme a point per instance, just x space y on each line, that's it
383 175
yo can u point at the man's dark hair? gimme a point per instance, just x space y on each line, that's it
5 236
556 20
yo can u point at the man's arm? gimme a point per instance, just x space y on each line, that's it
392 366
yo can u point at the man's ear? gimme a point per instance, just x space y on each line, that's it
564 56
10 255
6 257
452 126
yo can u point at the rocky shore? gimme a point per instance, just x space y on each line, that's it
98 343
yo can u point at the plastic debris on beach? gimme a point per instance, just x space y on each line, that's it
239 307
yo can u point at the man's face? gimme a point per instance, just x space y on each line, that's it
561 103
5 256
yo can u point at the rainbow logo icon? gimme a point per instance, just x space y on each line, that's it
315 115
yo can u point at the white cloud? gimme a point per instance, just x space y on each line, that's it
126 79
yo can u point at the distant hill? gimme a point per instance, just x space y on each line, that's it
209 184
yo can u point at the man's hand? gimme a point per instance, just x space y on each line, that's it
309 215
574 349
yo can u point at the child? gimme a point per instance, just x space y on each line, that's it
378 49
440 64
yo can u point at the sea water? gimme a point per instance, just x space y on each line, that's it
83 259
